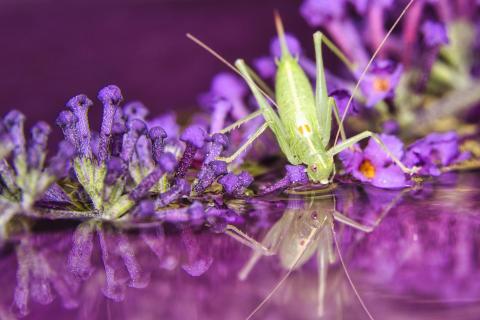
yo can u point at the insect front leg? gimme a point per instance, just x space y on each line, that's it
238 123
247 143
245 239
368 134
268 246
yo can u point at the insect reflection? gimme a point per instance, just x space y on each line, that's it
306 229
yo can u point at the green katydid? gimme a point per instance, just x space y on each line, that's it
303 123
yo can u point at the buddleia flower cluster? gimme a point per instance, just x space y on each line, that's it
427 70
132 166
25 173
423 80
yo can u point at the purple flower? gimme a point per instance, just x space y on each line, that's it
380 82
391 127
219 142
373 165
37 147
144 209
209 173
319 12
166 164
231 88
360 5
135 110
265 66
220 110
61 162
292 43
236 184
196 212
294 175
67 121
341 99
168 122
135 128
115 170
195 138
434 33
179 189
111 97
79 105
435 151
14 123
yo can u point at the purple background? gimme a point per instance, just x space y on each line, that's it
54 49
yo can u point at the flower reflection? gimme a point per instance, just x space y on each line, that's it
98 269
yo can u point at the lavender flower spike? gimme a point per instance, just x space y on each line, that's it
79 106
6 145
67 121
209 173
434 34
294 175
180 188
236 185
233 89
111 97
135 129
216 146
14 122
166 163
37 147
220 111
135 110
60 163
158 135
195 137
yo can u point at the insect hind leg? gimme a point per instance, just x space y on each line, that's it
368 134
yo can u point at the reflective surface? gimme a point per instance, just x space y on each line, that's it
410 254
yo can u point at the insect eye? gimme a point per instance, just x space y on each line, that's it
314 168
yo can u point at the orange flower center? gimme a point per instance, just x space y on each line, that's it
381 84
367 169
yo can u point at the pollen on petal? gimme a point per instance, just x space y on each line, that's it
381 84
367 169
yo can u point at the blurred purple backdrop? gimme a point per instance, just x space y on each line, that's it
54 49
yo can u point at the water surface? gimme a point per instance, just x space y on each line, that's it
417 257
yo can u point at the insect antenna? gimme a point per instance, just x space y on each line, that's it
365 70
263 90
347 274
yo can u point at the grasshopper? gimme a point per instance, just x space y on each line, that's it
302 126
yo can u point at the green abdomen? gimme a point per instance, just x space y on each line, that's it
296 102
